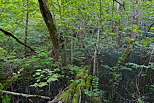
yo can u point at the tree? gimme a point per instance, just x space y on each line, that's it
130 46
51 27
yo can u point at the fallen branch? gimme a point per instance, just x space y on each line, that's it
9 34
26 95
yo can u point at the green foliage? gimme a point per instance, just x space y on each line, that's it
2 50
136 66
81 23
6 99
45 76
73 69
1 88
140 101
95 92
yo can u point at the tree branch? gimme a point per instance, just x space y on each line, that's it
120 4
9 34
150 27
25 95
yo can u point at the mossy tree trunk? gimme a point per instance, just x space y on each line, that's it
51 27
74 92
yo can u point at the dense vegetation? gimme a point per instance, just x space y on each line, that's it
77 51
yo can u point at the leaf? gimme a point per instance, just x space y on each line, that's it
145 42
152 27
113 34
127 38
42 84
140 31
51 79
140 101
38 70
2 50
135 26
151 39
35 85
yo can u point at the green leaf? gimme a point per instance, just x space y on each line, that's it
135 26
2 50
140 101
38 70
151 39
152 27
51 79
42 84
127 38
145 42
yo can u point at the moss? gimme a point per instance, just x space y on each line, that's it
73 85
83 72
96 100
73 94
65 97
88 82
125 54
76 95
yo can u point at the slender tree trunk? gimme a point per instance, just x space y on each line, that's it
51 27
112 16
26 27
81 33
72 49
64 29
119 8
130 46
135 21
64 53
95 66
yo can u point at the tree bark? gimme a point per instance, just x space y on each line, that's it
47 16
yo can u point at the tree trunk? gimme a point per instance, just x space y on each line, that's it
119 8
72 49
51 27
130 46
26 27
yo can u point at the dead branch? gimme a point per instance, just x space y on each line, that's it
25 95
